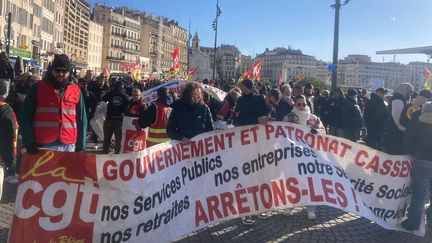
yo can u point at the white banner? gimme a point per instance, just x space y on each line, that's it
215 92
149 96
173 189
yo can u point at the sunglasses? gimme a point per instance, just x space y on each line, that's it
301 105
60 70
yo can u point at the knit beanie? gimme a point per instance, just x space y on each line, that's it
248 84
427 107
61 61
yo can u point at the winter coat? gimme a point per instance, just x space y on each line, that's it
249 108
351 117
188 120
375 113
335 112
418 140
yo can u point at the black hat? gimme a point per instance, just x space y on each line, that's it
308 86
425 93
352 93
248 84
61 61
381 90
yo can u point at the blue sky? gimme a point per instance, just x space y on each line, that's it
253 25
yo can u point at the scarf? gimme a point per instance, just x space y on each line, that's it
426 117
302 115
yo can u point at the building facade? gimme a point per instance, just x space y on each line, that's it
25 28
200 60
228 62
359 71
286 64
76 31
94 57
160 37
416 76
121 37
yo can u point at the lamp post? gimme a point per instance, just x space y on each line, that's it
337 6
215 28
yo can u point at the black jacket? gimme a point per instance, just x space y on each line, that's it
6 70
118 103
375 113
418 140
351 117
283 109
249 108
188 120
7 128
335 112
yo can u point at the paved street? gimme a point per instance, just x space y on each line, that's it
331 225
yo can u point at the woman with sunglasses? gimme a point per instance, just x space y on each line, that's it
301 114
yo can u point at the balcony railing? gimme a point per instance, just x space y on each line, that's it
115 58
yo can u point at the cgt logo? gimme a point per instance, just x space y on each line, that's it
134 141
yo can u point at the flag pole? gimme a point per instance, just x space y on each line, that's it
215 27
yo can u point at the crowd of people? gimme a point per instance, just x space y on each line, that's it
53 112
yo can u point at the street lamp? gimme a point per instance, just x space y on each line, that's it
215 28
337 6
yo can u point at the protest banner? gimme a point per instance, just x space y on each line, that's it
132 139
98 119
172 189
149 96
214 92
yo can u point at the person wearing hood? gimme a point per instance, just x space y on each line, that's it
302 115
8 141
53 115
412 111
156 118
394 131
351 117
375 114
189 116
418 143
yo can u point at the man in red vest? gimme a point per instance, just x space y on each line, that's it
8 141
53 115
156 119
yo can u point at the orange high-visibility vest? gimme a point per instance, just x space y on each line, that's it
157 131
54 118
15 137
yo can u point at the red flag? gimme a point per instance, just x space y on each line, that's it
247 74
175 66
192 71
427 74
256 70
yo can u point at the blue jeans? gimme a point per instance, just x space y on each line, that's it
62 148
421 176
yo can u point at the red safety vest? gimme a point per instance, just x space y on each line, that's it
54 118
157 131
15 137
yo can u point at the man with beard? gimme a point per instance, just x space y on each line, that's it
53 115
